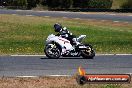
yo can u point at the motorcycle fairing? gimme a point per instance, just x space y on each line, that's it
64 43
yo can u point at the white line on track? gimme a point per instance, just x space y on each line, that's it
26 55
112 14
116 21
77 18
96 55
129 15
20 10
14 14
103 20
51 76
29 15
124 54
112 54
59 75
129 73
45 75
27 76
64 17
46 16
65 12
105 54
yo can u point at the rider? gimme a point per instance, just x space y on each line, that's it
64 33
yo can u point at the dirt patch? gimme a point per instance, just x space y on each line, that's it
52 82
41 82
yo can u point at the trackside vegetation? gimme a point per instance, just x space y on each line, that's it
67 4
27 34
58 3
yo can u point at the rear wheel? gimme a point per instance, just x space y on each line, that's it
88 53
52 51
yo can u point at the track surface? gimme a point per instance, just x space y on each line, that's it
42 66
113 17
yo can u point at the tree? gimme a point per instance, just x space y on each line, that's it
107 4
53 3
59 3
127 5
42 2
32 3
16 2
66 3
21 2
80 3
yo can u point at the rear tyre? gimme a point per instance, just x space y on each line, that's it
52 51
88 53
81 80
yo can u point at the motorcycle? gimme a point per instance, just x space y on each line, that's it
56 46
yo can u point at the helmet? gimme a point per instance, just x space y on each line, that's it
57 27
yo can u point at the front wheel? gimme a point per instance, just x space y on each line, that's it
88 53
52 51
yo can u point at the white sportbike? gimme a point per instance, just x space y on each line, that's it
57 46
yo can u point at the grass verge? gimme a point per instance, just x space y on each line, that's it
27 34
52 82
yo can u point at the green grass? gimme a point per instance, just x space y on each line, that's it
26 35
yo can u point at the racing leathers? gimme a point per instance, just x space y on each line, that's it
64 33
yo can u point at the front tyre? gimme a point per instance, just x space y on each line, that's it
52 51
88 53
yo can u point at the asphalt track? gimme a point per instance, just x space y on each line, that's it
112 17
42 66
